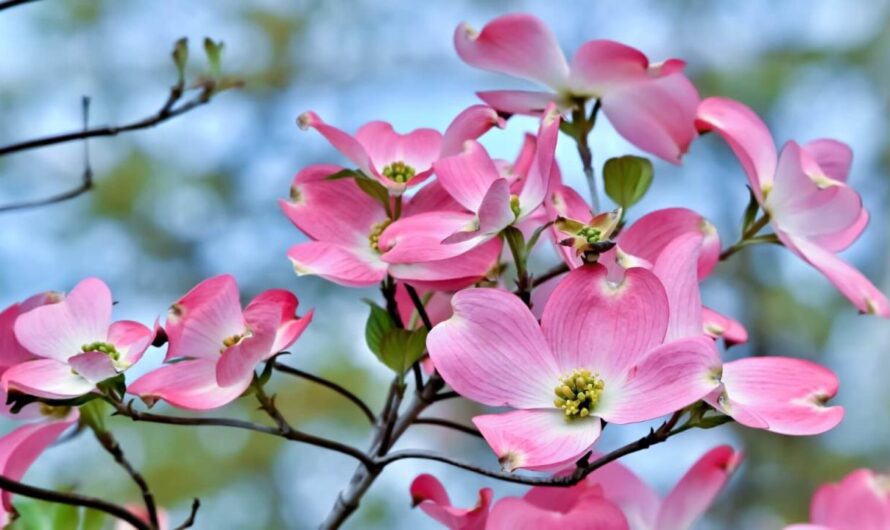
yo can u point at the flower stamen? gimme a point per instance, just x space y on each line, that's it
578 393
399 172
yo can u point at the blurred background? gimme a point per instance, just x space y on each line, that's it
197 196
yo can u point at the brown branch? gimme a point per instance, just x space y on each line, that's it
441 422
73 499
188 523
110 444
14 3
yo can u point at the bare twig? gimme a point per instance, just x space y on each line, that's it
550 274
73 499
14 3
110 444
366 410
188 523
441 422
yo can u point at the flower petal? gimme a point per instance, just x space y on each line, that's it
592 323
420 238
199 322
649 235
454 273
187 385
517 101
337 263
131 339
747 136
669 378
418 149
695 492
789 395
717 325
856 502
428 493
284 303
590 513
495 212
470 124
46 378
494 357
341 141
469 175
519 45
621 486
58 331
537 439
94 366
538 182
831 157
676 268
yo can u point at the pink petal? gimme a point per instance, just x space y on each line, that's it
418 149
496 358
717 325
288 326
839 241
337 263
187 385
622 487
431 197
94 366
428 493
831 157
470 124
592 513
789 395
47 378
849 281
669 378
495 212
419 238
468 176
537 184
454 273
519 45
858 502
131 339
650 234
517 101
343 142
676 268
592 323
695 492
20 449
58 331
11 351
336 211
236 364
537 439
746 134
199 322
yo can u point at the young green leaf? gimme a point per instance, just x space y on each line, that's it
181 58
378 325
400 348
627 179
214 56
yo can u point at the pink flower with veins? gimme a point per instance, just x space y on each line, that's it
21 447
215 345
399 161
804 190
861 501
476 182
598 354
651 105
610 498
75 345
345 225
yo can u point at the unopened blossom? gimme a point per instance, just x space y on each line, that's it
651 105
804 190
598 354
861 501
74 344
490 201
214 345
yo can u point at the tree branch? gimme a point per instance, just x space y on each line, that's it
441 422
188 523
14 3
73 499
110 444
366 410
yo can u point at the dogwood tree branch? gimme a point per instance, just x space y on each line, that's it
190 521
14 3
109 443
73 499
441 422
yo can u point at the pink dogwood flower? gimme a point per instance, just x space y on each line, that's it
346 227
598 354
489 204
399 161
861 501
429 494
651 105
216 345
75 345
804 190
21 447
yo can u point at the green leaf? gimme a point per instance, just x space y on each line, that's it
627 179
750 211
533 240
92 520
378 325
345 174
181 58
214 56
65 517
93 415
375 190
709 422
33 515
400 348
516 241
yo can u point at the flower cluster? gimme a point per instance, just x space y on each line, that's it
617 333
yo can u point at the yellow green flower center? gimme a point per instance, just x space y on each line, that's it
578 393
374 236
399 172
514 205
228 342
104 347
591 234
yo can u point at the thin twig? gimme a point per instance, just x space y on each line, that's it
448 424
292 435
14 3
366 410
418 304
188 523
73 499
550 274
445 395
110 444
